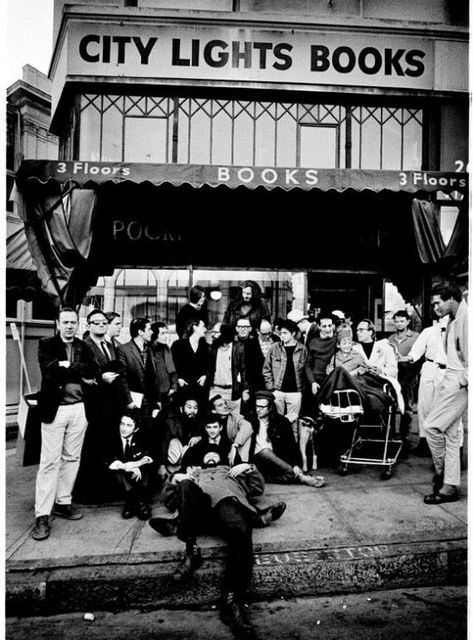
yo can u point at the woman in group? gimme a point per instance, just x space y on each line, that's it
248 304
191 357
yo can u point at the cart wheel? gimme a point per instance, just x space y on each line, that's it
386 473
343 469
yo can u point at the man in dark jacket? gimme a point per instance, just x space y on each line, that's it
138 378
130 463
210 491
274 449
227 369
67 366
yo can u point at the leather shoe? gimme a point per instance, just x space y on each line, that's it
66 511
233 614
143 512
191 561
41 529
440 498
164 526
272 513
128 511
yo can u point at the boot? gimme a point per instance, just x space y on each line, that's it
191 561
233 614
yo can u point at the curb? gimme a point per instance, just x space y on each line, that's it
146 581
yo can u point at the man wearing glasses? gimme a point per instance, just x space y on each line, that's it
105 407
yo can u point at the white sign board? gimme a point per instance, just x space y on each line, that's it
230 53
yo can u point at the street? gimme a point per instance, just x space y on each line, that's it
434 613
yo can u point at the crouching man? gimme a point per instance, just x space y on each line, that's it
130 464
211 493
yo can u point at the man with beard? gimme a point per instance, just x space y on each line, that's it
210 491
181 427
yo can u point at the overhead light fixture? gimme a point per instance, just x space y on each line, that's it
216 294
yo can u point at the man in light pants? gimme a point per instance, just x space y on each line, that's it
67 364
451 400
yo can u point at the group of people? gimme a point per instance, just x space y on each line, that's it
212 417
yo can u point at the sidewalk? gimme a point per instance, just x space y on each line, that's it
357 533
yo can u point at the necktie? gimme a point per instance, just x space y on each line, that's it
105 350
127 451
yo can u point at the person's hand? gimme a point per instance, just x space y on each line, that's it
64 363
193 473
131 405
128 466
201 380
297 471
89 381
136 473
245 396
162 471
237 470
181 382
109 376
155 412
315 387
116 465
194 440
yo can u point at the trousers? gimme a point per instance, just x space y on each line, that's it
61 447
232 520
441 427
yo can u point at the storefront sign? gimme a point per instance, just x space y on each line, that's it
244 54
85 172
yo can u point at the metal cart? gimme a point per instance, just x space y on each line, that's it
383 451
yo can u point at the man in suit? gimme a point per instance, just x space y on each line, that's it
106 403
138 377
67 366
130 463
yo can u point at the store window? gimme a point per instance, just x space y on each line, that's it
159 293
249 133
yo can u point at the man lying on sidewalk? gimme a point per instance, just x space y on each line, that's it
211 494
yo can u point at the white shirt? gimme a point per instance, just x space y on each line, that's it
429 344
262 441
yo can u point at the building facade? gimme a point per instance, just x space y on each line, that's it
282 141
28 114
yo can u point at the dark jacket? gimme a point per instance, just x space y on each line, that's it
172 423
239 381
136 377
281 436
165 378
83 366
190 365
106 401
319 353
138 449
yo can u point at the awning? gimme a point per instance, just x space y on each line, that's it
88 174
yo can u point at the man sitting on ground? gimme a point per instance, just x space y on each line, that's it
130 463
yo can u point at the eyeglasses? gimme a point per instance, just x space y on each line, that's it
98 322
362 329
243 326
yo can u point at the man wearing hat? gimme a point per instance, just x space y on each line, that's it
307 328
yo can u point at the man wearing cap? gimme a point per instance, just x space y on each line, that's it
210 491
307 328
